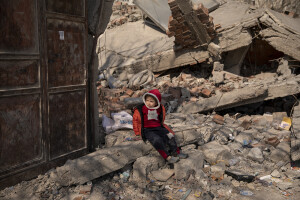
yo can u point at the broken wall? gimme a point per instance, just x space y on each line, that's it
291 6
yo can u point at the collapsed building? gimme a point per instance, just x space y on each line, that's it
253 56
249 65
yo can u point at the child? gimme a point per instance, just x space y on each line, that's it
148 122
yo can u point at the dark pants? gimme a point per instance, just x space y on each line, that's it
157 136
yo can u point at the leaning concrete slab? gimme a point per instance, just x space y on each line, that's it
157 10
227 100
101 162
135 47
283 33
261 91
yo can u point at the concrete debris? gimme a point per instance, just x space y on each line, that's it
141 79
256 155
163 175
222 120
158 11
143 166
295 140
133 169
190 166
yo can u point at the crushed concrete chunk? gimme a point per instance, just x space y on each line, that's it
256 155
163 175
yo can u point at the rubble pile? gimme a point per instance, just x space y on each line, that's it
184 33
122 12
188 92
289 7
230 156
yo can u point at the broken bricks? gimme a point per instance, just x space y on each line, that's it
218 119
86 189
274 141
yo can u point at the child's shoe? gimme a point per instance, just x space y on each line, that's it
182 156
172 159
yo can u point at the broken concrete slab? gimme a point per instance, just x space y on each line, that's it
234 60
232 40
162 175
191 165
253 92
235 13
211 151
281 152
228 99
142 50
101 162
158 11
256 154
282 32
144 165
283 43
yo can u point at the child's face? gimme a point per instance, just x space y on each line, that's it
150 102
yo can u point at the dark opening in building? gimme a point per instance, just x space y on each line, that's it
260 57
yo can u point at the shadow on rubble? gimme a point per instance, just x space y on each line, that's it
282 104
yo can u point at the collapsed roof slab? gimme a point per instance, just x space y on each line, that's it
250 94
157 10
280 31
233 33
283 33
136 46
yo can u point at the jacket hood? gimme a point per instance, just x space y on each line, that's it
154 93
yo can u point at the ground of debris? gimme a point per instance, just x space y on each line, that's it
238 157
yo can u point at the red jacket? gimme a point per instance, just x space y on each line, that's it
137 118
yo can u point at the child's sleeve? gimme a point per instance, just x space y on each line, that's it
169 129
136 123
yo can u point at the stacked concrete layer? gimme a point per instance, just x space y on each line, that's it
180 25
247 95
134 47
283 33
295 140
279 30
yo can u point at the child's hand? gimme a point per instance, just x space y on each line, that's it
170 135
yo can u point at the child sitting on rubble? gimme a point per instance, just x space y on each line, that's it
148 122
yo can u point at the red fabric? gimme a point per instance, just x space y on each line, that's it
178 150
156 93
162 153
153 122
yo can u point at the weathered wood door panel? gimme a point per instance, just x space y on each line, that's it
18 26
43 85
20 131
67 123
